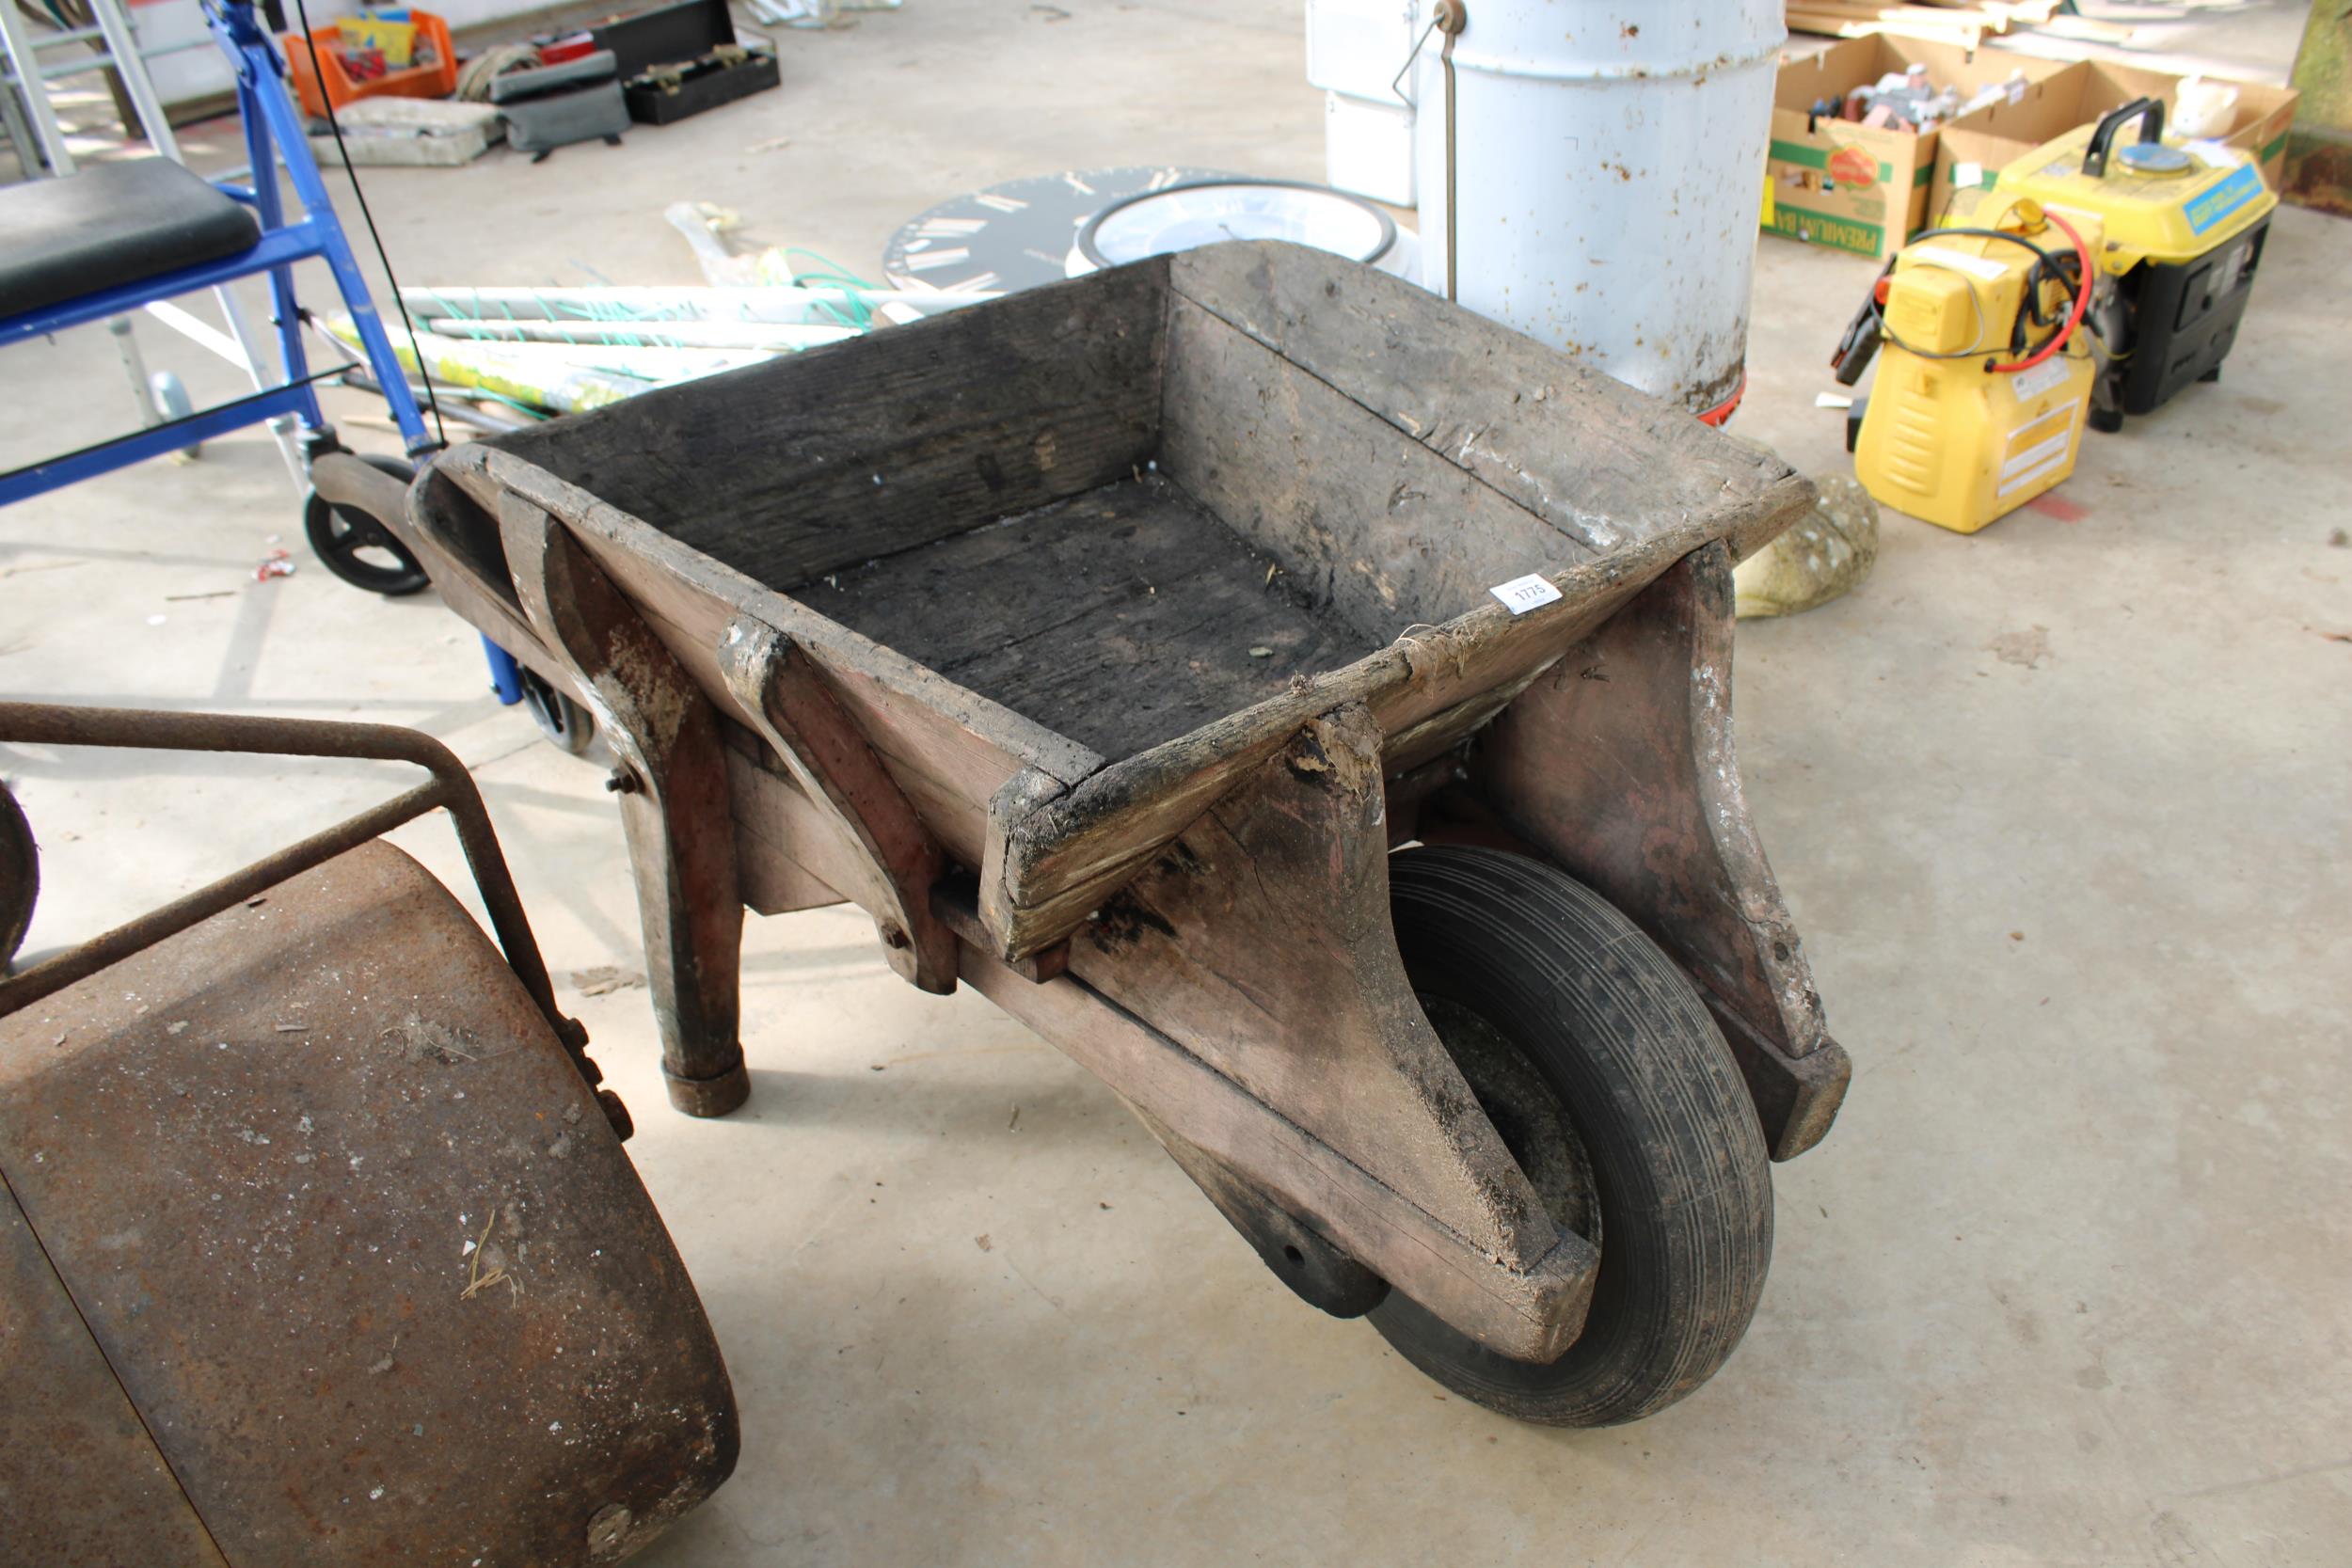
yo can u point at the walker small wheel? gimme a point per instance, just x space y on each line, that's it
1609 1083
20 876
170 397
358 548
568 725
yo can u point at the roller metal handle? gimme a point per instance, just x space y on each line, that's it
2149 111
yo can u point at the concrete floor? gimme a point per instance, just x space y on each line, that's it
2060 808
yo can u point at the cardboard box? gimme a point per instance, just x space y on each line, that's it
1977 146
1839 184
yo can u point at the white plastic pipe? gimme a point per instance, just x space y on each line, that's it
775 337
778 302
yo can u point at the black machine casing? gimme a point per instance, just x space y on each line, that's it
678 60
2184 317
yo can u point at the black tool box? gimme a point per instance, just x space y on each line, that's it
680 61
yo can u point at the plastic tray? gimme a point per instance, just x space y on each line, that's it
438 80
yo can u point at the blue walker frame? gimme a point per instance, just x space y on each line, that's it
272 130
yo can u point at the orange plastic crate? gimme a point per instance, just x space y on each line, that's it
438 80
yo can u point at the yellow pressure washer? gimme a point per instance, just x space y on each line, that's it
1980 403
2166 241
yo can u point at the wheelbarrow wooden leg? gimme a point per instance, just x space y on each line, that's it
1617 765
673 786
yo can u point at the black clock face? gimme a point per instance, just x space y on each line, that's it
1018 234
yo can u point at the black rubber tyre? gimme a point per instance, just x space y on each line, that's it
1599 1066
568 726
358 548
20 876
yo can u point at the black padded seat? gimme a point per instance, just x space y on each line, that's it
111 224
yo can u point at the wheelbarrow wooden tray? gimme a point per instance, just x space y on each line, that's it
1101 641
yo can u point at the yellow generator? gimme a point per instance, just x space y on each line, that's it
2185 230
1980 402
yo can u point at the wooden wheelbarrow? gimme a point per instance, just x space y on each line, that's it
1303 702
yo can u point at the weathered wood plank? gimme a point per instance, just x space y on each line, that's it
1260 941
1631 749
1390 532
1412 745
1619 766
1009 809
445 527
770 879
1593 457
1530 1314
895 860
775 825
911 749
1121 618
829 457
1300 1256
696 594
1069 853
956 900
949 748
451 522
